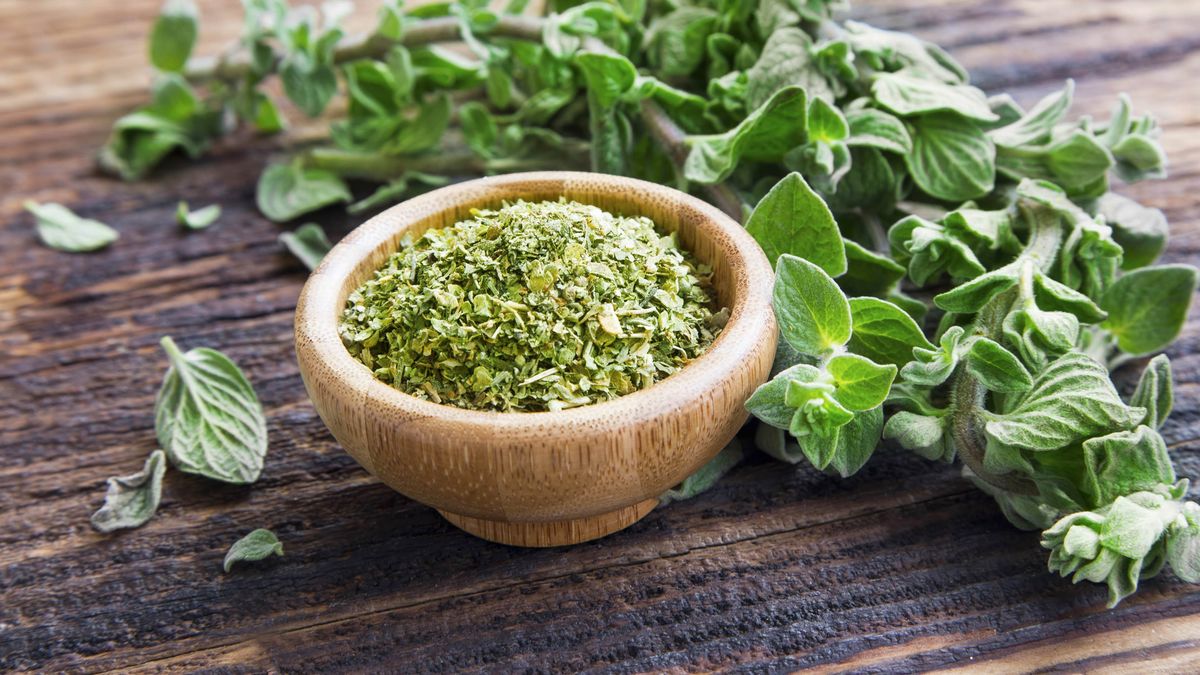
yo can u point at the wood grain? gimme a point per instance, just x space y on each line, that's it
900 568
556 478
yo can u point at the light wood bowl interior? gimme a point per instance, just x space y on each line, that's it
543 478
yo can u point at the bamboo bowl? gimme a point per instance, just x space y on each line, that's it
542 478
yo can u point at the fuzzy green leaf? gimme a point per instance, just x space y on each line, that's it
764 135
1036 125
861 383
793 219
923 434
1147 307
1183 546
907 95
208 418
59 228
1125 462
198 219
1155 392
1142 232
813 314
951 159
997 368
132 500
1071 400
856 442
173 35
257 545
308 243
884 333
287 191
768 402
877 129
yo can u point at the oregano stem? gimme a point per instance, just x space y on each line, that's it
418 33
673 140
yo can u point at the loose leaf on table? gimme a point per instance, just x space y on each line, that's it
793 219
259 544
308 243
198 219
1071 400
59 228
1155 392
706 476
1147 307
208 418
813 314
883 332
132 500
173 35
286 191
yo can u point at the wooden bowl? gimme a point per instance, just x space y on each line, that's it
542 478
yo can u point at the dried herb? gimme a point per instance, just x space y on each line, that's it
257 545
132 500
533 306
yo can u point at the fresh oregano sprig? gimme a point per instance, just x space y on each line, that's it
871 171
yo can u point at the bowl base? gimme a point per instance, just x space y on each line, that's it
552 533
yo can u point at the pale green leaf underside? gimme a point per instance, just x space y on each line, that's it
257 545
132 500
208 418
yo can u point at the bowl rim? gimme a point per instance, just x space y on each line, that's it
318 310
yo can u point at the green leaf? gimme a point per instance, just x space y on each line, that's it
1147 307
1035 126
173 35
767 403
922 434
1141 232
951 159
257 545
861 383
286 191
396 190
867 272
391 20
931 250
997 368
817 413
706 476
793 219
1155 392
198 219
307 84
856 442
132 500
1183 545
1130 529
766 134
877 129
1125 462
813 315
825 122
208 418
884 333
907 95
785 61
934 366
308 243
478 128
1071 400
973 295
608 76
59 228
675 41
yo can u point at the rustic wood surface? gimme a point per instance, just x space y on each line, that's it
903 567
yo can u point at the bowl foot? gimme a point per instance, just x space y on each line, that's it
552 533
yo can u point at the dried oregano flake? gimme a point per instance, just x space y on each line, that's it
532 307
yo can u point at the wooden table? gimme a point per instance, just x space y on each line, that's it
905 566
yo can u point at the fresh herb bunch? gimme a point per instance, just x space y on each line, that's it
876 173
533 306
